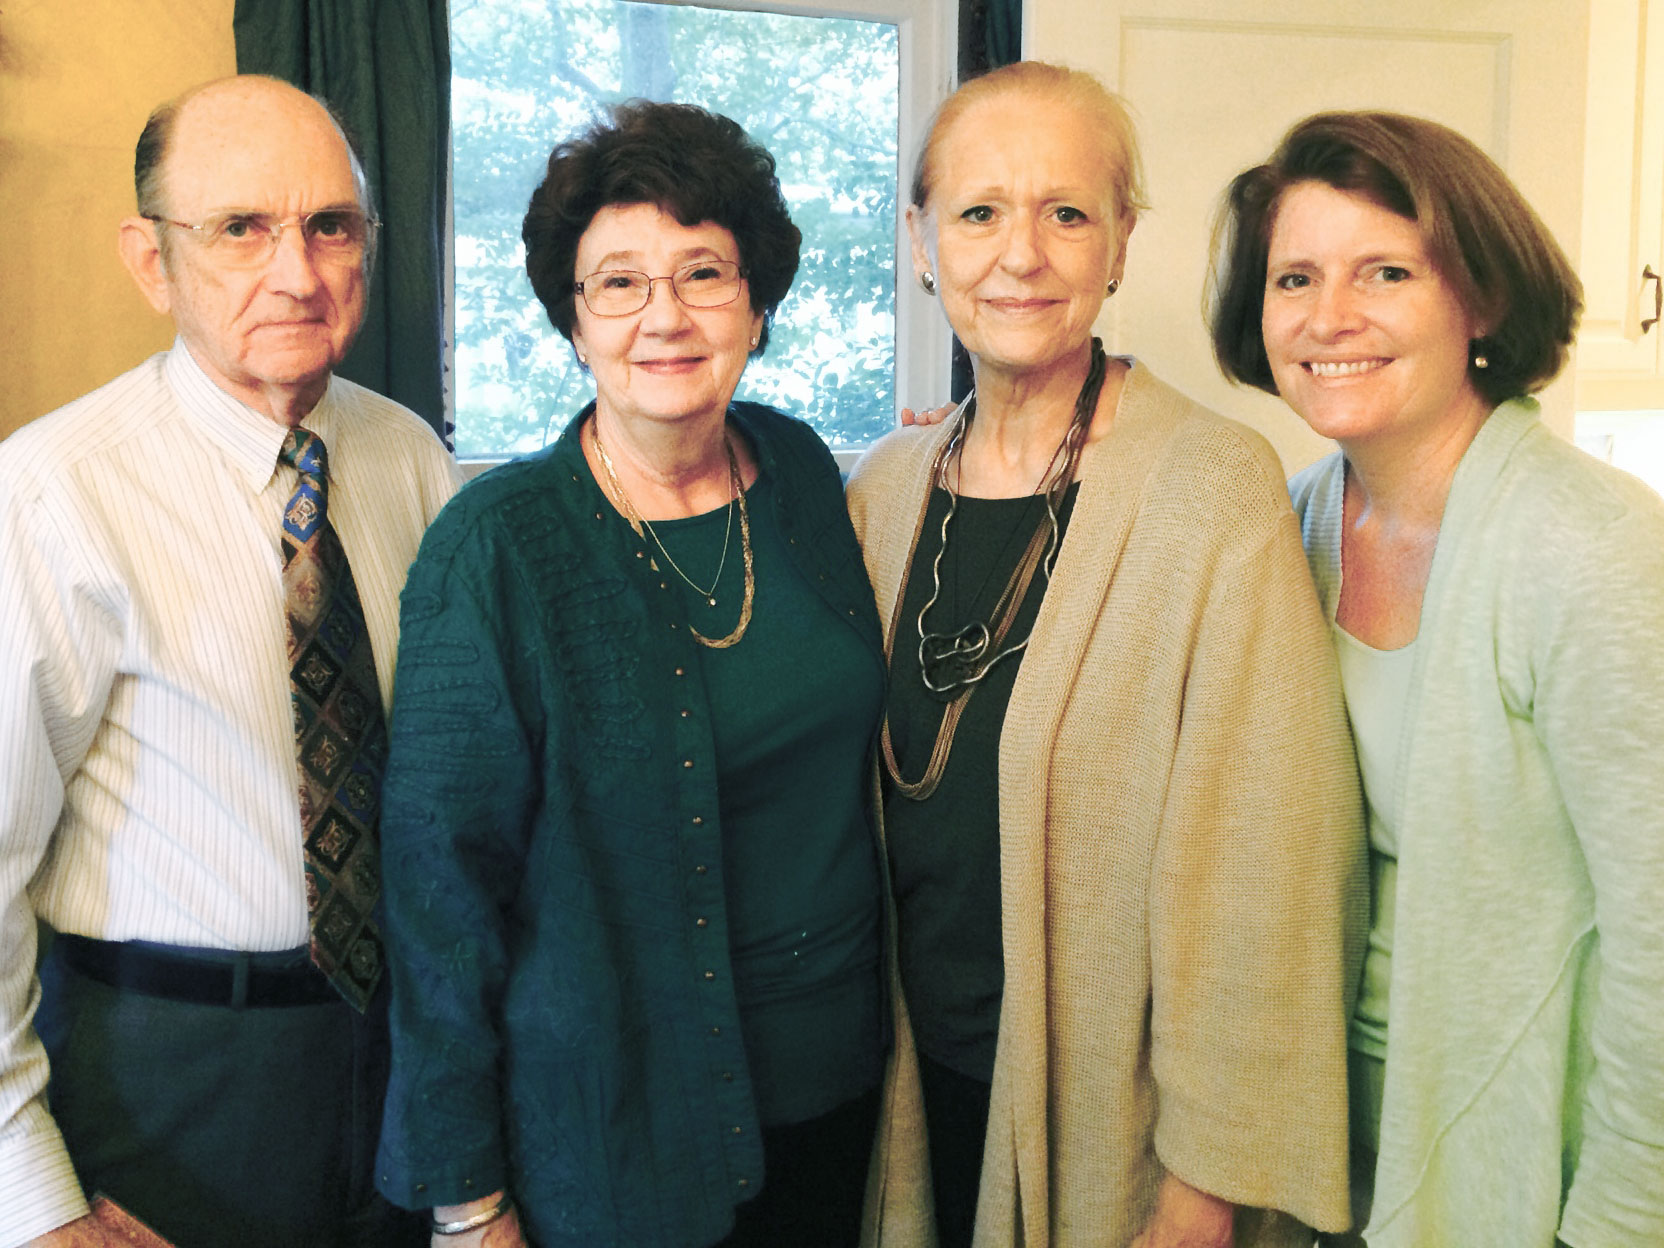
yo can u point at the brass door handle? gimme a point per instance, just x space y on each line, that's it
1647 275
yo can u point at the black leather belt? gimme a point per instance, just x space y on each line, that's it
239 982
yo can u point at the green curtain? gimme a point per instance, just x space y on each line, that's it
1004 32
385 65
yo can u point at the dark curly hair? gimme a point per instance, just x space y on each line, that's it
1496 254
695 165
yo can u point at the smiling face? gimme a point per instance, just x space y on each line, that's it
1021 230
267 335
667 362
1366 339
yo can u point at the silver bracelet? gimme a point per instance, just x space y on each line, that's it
463 1225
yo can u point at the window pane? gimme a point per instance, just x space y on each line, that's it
819 93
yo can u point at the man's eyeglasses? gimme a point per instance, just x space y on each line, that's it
703 284
339 235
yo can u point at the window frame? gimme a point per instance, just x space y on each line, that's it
929 37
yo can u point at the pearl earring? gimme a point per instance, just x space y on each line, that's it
1480 361
927 279
753 344
1114 285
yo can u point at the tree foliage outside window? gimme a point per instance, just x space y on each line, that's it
820 93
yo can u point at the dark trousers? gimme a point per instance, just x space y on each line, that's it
814 1179
223 1127
956 1124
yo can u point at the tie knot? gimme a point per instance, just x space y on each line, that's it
304 451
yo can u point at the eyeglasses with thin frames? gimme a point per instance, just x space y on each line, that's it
621 292
246 239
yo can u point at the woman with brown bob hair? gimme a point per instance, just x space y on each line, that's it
1494 598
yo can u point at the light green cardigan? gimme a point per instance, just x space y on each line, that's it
1525 1043
1181 852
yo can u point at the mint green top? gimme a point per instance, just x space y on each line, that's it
1377 684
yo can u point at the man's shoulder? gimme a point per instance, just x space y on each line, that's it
367 412
93 425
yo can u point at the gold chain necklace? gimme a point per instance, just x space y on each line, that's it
736 487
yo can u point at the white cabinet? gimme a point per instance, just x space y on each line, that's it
1619 360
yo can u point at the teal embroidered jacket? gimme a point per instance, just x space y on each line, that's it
562 1025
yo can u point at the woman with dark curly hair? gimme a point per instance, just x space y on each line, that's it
632 880
1494 596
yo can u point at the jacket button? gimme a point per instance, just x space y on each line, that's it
727 1076
737 1131
686 713
701 921
598 515
716 1031
681 671
700 869
698 821
710 974
641 554
421 1187
687 764
745 1182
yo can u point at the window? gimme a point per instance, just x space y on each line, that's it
837 100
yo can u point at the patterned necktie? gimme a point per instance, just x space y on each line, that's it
340 733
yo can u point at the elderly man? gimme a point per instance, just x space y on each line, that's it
200 565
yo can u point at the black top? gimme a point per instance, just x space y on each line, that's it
945 850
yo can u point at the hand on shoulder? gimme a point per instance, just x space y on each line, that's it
927 416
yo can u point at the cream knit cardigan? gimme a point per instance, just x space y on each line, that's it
1181 852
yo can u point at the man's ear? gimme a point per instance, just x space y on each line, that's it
141 252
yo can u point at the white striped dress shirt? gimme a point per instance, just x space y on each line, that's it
147 758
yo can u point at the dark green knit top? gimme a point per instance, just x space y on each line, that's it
793 705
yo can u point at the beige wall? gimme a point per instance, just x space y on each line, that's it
76 83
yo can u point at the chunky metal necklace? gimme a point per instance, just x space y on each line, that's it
736 501
959 660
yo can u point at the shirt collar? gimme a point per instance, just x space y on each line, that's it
249 440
